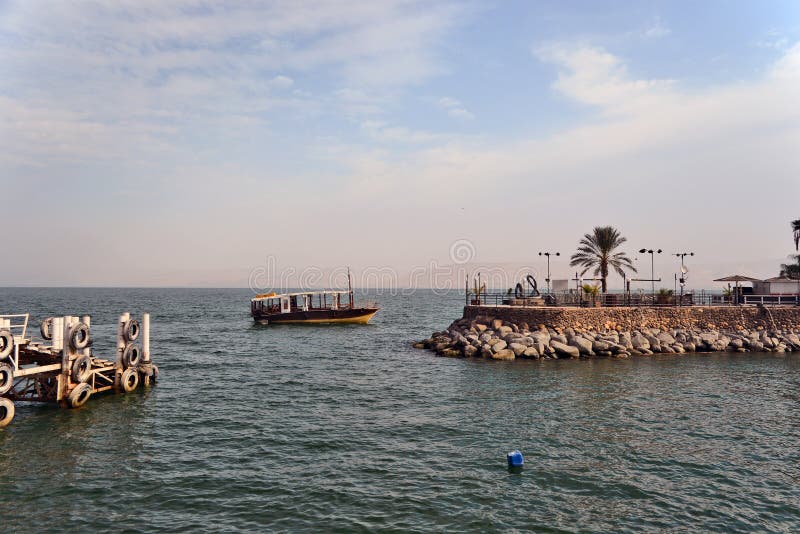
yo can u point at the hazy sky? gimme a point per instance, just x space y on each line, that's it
185 142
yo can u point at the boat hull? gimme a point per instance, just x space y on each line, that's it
343 316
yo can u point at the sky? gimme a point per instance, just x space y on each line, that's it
193 143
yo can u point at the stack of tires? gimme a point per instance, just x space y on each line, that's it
6 376
81 372
131 356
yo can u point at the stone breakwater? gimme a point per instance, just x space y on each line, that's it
504 334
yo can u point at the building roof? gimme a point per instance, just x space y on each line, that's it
781 279
737 278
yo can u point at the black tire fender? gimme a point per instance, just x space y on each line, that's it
132 355
79 395
129 380
131 330
6 378
82 368
79 336
46 329
6 344
6 411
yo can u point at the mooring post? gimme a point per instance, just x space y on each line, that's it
146 347
123 319
65 326
87 320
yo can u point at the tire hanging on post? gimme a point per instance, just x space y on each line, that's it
6 378
46 329
6 344
129 380
79 336
6 411
132 330
82 368
132 355
79 395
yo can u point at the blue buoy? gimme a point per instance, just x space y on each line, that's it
515 459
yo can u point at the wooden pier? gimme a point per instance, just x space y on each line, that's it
62 368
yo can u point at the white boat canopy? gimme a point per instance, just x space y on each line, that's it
268 296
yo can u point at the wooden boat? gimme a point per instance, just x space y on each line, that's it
310 307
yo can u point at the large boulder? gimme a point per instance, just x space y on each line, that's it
470 351
625 340
526 340
496 323
505 354
708 338
499 345
665 338
583 345
531 352
562 349
598 346
655 344
504 330
639 342
541 337
619 348
517 348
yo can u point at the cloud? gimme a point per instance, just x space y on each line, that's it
156 69
773 40
282 82
591 75
656 30
697 161
454 108
386 133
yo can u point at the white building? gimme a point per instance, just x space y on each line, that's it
776 286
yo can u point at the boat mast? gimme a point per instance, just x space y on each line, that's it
350 287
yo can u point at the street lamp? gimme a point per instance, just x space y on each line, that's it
652 266
548 254
682 255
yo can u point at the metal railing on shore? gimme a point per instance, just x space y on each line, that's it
580 299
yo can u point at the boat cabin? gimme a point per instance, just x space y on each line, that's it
274 303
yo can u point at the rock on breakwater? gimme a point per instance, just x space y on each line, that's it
499 339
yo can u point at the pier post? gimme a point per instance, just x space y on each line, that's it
87 320
65 324
124 318
146 347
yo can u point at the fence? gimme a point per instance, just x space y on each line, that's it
581 299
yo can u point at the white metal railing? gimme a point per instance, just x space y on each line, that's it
771 300
7 321
22 327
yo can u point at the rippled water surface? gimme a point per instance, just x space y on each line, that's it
348 428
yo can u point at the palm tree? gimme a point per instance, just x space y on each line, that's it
597 250
796 231
791 270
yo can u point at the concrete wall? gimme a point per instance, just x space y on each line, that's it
599 319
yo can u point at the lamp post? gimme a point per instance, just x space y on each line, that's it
652 267
548 254
682 255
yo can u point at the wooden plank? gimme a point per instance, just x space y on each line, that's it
37 370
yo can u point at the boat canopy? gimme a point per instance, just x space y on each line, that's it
266 296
